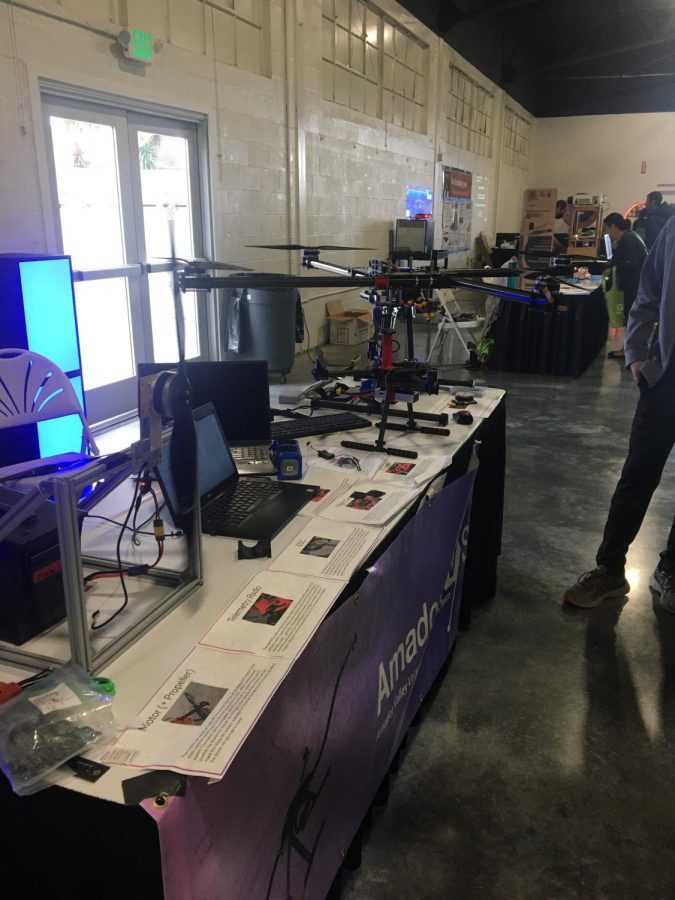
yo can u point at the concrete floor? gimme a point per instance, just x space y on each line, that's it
543 766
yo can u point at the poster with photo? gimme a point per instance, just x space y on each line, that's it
457 210
326 549
198 719
274 615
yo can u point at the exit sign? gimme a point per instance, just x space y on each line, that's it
137 45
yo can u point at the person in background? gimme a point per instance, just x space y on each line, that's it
628 257
653 217
650 356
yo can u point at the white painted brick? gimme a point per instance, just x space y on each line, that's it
267 157
236 151
271 179
274 229
230 176
251 225
331 164
249 178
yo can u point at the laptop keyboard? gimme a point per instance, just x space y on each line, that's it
251 454
251 457
232 509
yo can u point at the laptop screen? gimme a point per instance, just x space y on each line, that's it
214 461
239 391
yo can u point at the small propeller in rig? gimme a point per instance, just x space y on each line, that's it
307 247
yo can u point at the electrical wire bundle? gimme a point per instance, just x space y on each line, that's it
142 488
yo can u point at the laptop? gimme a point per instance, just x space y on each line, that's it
239 391
232 506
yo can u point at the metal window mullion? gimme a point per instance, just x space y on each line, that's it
139 291
205 310
132 271
380 66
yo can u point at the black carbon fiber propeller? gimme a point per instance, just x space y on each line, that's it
307 247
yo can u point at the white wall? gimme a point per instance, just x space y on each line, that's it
285 166
604 154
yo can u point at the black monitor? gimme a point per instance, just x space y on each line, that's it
239 391
507 239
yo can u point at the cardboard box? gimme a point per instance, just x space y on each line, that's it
538 221
348 326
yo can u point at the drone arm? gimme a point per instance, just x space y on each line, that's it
327 267
494 290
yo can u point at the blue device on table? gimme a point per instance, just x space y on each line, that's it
287 459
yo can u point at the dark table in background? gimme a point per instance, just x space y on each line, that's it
562 338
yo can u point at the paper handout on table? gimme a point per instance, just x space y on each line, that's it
368 503
410 472
275 615
198 719
327 549
376 467
333 483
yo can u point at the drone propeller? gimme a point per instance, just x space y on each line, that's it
306 247
201 265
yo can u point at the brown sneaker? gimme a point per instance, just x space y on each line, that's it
594 587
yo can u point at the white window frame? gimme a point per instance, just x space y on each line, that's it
117 401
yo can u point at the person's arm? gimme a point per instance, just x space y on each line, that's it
644 312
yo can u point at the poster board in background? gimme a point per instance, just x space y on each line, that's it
481 194
457 210
538 220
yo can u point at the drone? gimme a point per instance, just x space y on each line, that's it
394 294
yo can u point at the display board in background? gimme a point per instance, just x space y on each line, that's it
538 219
480 205
457 210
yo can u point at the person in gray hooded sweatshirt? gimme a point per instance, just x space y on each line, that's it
649 345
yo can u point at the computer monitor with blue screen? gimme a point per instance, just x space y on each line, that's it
38 313
418 201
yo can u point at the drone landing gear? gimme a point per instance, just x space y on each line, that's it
409 427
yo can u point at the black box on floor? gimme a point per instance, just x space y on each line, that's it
30 573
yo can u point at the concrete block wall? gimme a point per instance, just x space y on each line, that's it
284 165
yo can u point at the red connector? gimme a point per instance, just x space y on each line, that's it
8 689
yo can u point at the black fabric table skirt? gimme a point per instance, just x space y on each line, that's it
108 851
562 338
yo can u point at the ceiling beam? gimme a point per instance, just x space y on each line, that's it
599 54
452 15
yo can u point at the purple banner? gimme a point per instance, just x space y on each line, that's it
279 823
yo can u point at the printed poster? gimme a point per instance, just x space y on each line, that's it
457 210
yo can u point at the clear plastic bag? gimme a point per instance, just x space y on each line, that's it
50 722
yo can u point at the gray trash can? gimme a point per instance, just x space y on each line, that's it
261 325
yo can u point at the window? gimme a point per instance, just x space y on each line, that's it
470 114
372 64
119 178
238 33
515 139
